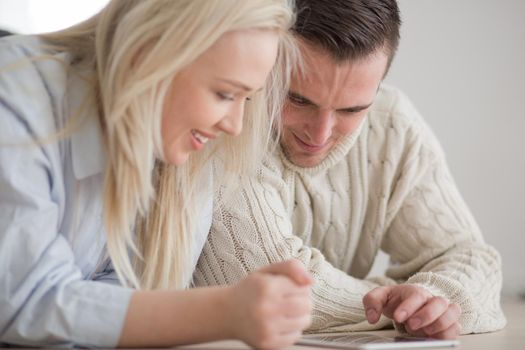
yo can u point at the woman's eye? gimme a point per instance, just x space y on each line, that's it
225 96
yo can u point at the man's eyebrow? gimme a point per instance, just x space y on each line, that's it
301 97
352 109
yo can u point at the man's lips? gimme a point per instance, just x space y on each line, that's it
308 147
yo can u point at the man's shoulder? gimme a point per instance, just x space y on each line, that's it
393 109
392 103
395 122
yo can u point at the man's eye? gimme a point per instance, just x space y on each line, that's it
298 100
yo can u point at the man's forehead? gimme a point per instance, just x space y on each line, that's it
313 56
339 85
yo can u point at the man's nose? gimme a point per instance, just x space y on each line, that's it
321 128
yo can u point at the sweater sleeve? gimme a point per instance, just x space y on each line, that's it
252 229
434 241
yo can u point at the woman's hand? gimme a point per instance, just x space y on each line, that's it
271 307
420 312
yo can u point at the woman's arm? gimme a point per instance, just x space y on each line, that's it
267 309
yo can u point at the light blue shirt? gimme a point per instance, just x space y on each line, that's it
52 241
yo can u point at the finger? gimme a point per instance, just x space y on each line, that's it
450 333
286 340
447 319
296 306
419 333
411 303
374 301
296 324
298 291
292 269
287 288
431 311
394 299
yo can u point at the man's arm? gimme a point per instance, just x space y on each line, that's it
431 236
253 229
437 245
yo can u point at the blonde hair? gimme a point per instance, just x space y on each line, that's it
136 48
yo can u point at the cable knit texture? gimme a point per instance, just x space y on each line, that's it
386 186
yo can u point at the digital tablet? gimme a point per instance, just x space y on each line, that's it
368 341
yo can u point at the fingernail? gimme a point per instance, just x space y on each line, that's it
415 323
371 314
402 315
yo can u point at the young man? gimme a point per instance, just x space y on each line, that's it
358 170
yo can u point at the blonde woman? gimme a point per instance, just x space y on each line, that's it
108 130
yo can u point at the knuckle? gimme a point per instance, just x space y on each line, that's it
264 335
267 342
264 287
441 300
458 328
257 281
456 308
309 305
295 264
368 299
372 295
420 295
305 304
264 309
307 321
439 324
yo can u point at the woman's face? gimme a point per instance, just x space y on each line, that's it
207 97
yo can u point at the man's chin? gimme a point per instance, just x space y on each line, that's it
305 161
302 159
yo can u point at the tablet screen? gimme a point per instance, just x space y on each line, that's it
373 341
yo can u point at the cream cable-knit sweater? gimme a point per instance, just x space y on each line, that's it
387 187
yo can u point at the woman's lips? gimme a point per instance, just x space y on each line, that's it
199 138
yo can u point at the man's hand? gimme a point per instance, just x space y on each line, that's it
421 313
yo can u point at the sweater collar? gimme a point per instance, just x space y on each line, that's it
334 157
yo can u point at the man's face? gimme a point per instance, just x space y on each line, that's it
326 102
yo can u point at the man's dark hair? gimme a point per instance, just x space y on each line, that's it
349 29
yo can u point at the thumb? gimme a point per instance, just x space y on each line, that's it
292 269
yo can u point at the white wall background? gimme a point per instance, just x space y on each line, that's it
462 62
39 16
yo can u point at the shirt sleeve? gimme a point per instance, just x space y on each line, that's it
43 299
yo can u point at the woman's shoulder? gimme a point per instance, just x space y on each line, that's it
33 84
21 54
14 47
